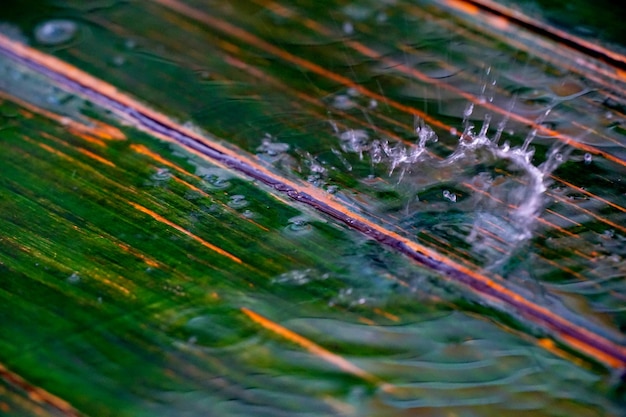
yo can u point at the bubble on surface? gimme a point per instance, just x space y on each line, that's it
216 181
161 175
238 201
270 147
55 32
298 225
296 277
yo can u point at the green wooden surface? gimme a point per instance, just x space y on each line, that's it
115 298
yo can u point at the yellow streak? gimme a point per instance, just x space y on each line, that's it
316 349
186 232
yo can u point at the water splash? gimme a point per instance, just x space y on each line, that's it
503 187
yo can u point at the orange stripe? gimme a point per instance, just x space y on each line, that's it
490 291
593 215
251 39
127 248
95 157
590 194
316 349
37 394
517 15
203 242
370 53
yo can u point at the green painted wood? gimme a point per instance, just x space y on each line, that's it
116 313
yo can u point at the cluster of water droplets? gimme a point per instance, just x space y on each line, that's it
398 156
507 188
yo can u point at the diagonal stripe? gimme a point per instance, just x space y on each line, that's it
315 349
490 290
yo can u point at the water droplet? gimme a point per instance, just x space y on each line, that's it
298 225
162 174
271 148
343 102
130 44
215 181
450 196
468 110
297 277
588 158
118 60
248 214
74 278
55 32
237 201
348 28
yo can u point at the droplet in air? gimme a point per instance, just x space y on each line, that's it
55 32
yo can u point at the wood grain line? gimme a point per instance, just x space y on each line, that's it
504 297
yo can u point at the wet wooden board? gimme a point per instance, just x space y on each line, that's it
176 257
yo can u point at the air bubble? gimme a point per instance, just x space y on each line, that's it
74 278
588 158
55 32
